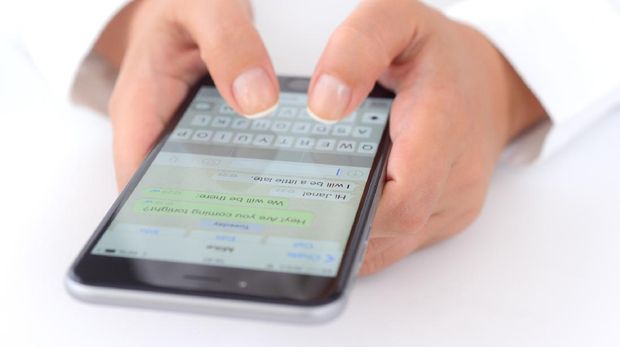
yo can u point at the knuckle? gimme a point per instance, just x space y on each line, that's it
478 174
226 43
364 40
475 183
221 34
215 26
373 247
408 218
373 264
473 212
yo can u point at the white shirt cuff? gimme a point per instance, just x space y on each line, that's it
58 35
565 51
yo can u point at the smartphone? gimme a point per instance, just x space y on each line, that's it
259 218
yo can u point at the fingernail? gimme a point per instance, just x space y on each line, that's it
319 119
330 98
256 95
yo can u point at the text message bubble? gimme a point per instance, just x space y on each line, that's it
286 181
212 211
310 194
235 199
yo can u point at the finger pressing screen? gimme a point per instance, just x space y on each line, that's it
170 46
234 54
375 34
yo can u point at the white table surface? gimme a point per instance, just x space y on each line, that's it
538 268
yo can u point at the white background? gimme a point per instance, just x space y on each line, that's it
539 267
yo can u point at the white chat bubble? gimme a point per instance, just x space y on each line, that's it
286 181
310 194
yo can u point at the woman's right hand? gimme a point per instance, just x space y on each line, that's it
162 48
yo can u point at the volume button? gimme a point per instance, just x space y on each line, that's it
360 258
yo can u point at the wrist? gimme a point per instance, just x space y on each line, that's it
524 108
514 108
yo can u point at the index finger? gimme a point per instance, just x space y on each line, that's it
369 40
234 54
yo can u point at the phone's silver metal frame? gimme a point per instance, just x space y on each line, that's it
222 307
217 306
229 307
205 305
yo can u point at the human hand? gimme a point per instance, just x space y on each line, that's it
162 49
458 104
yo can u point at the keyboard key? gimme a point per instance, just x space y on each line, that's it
202 135
222 136
261 124
202 106
325 144
287 112
321 129
290 127
240 123
345 146
243 138
304 143
225 109
382 104
303 114
341 130
367 148
284 141
301 128
220 122
181 134
374 118
202 93
263 140
201 120
362 132
281 126
350 118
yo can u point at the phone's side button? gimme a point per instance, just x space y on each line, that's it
360 259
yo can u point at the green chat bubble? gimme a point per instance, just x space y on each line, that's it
195 196
236 213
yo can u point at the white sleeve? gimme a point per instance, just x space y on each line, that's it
566 51
59 34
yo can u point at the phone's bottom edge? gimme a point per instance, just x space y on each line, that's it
205 305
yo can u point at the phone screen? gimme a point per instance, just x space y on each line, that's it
278 194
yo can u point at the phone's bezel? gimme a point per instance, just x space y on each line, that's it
221 282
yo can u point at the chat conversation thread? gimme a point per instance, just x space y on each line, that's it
282 209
